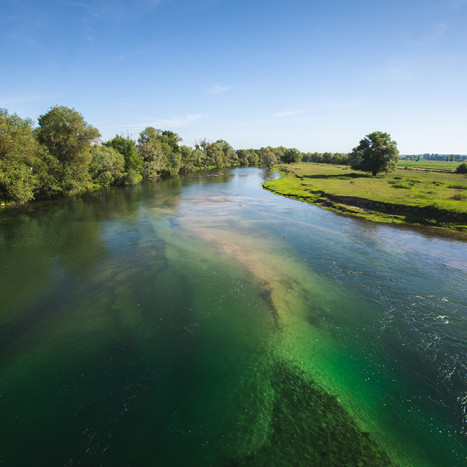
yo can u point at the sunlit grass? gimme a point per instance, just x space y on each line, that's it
429 190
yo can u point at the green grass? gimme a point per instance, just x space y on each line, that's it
436 166
434 198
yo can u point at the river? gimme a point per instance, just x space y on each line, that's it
205 321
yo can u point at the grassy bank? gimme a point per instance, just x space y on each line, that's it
403 196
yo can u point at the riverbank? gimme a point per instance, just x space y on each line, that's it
403 197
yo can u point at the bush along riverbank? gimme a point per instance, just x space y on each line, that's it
425 198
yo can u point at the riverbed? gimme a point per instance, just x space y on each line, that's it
203 320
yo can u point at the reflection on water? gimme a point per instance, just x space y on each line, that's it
205 321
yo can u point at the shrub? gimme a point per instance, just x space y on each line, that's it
462 169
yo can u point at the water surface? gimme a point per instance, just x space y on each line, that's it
206 321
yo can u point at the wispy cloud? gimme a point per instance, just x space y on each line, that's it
218 89
163 123
17 100
286 113
128 104
432 35
458 4
114 9
27 40
400 73
178 122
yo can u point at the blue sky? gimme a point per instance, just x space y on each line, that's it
316 75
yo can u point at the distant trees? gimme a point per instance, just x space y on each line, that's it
269 159
291 155
376 153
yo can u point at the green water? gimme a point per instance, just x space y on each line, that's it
205 321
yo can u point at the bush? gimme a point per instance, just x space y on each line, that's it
462 169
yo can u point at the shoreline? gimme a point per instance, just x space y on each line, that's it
443 221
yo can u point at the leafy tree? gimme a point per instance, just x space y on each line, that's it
291 155
26 168
107 165
127 148
68 139
376 153
160 152
18 158
243 156
229 154
461 169
187 158
269 159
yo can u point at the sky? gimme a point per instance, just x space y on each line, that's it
315 75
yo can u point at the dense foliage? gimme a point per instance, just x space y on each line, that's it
376 153
434 157
63 155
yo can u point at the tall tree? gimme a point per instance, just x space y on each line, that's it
160 152
107 165
127 148
18 158
291 155
376 153
68 139
269 159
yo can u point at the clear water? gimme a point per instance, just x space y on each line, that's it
206 321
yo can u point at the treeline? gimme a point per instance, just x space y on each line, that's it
269 156
435 157
63 155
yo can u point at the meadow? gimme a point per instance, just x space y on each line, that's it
406 195
435 166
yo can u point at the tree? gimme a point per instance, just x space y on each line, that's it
107 166
269 159
291 155
461 169
68 139
127 148
160 152
243 156
18 158
376 153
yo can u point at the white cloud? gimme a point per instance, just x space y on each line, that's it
286 113
431 35
164 123
17 100
180 121
218 89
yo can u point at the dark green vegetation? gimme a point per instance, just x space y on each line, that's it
376 153
406 196
62 156
304 415
435 157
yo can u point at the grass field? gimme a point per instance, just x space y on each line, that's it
431 197
436 166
